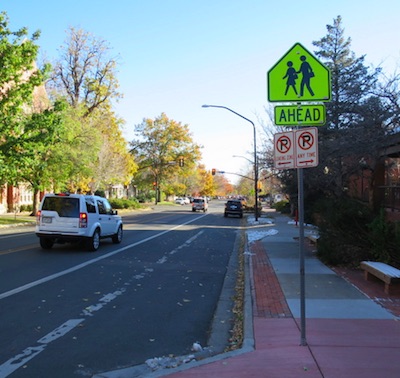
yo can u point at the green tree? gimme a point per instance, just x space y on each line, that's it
79 151
161 143
85 74
354 116
44 133
18 79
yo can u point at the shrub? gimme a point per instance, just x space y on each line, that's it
282 206
144 198
27 208
384 238
343 228
122 203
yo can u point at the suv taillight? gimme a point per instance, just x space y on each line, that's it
83 220
38 215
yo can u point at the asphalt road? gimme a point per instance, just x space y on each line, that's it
69 313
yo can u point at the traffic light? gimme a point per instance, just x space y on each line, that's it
213 171
154 185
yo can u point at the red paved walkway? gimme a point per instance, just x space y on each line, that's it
337 348
269 300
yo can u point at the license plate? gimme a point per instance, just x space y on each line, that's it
47 220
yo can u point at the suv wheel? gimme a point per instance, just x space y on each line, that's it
94 241
117 238
46 243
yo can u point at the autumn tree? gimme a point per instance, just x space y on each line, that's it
222 186
245 186
114 163
85 72
160 144
205 184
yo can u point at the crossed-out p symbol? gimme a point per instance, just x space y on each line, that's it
283 144
306 140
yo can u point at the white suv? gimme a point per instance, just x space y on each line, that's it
200 204
77 217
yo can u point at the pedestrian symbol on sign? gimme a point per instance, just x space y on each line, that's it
307 73
292 75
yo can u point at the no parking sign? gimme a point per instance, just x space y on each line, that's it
296 149
306 147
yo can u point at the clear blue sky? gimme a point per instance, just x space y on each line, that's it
176 55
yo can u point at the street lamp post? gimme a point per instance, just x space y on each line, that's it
244 157
255 155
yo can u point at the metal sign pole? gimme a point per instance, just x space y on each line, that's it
300 189
281 86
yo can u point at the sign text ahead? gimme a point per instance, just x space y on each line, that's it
300 115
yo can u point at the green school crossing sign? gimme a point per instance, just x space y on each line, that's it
298 76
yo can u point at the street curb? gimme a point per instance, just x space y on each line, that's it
210 354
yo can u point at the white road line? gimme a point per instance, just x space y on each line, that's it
29 353
89 311
85 264
21 359
13 235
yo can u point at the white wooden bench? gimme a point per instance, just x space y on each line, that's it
386 273
313 238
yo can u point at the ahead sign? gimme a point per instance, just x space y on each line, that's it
298 115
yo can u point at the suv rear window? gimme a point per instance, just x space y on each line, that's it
65 207
198 200
235 203
90 206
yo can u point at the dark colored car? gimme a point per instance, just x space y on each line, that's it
234 207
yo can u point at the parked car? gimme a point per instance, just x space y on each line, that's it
234 207
200 204
77 217
186 200
179 201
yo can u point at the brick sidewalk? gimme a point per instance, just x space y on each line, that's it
269 301
372 289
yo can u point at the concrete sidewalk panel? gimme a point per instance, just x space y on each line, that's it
292 265
339 309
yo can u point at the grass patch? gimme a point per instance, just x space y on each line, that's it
11 219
